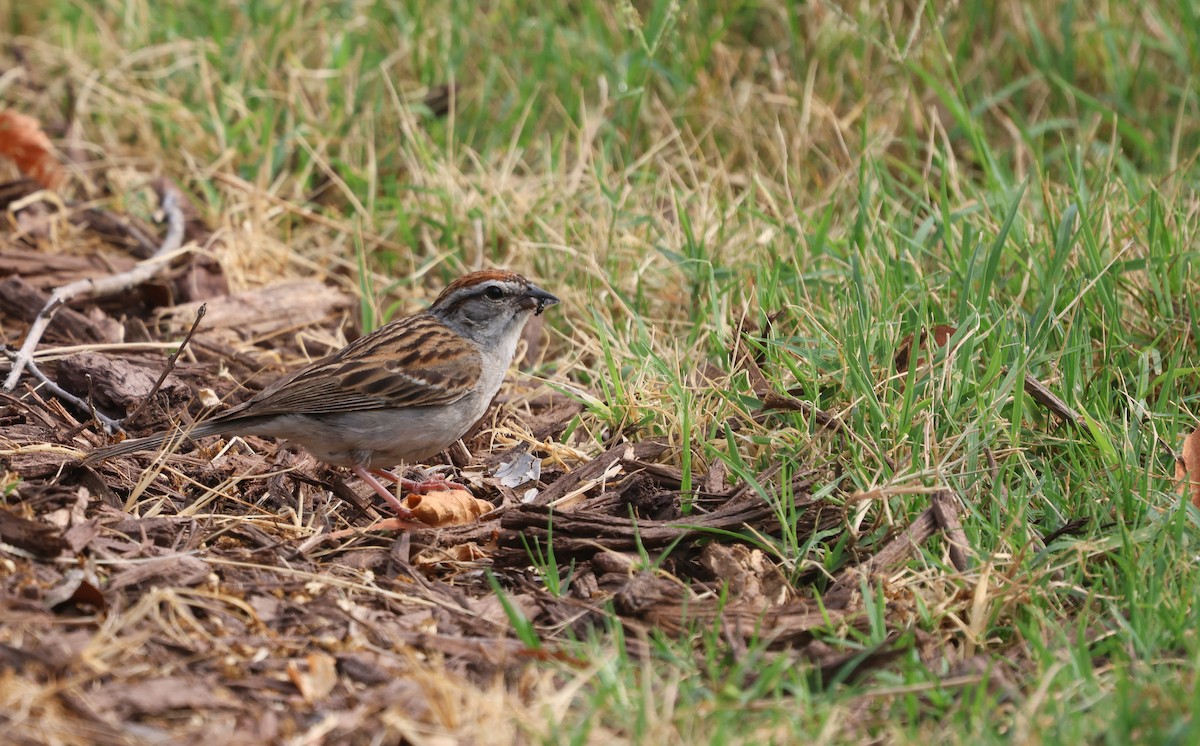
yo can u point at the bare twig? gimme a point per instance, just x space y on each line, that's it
170 366
772 401
893 553
1040 393
108 422
946 510
92 413
140 273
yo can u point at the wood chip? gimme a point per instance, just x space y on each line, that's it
35 537
156 696
119 384
261 313
593 469
21 300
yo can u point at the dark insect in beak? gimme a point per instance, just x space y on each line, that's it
537 299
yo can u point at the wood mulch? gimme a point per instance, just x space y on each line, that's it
236 589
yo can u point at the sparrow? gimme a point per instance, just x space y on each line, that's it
400 394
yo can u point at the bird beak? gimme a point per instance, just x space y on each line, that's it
537 299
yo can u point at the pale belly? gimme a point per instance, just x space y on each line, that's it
374 439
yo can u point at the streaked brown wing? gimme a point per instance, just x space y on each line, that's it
413 362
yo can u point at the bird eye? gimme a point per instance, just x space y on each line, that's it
493 293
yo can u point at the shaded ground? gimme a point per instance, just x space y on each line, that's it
236 589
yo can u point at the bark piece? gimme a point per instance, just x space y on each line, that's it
118 384
33 536
260 313
21 300
596 467
44 270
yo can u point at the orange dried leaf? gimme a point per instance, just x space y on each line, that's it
441 556
447 507
1187 469
23 142
318 681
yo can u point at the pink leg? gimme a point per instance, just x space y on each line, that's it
392 500
436 482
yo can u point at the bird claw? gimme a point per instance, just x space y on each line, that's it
431 483
402 511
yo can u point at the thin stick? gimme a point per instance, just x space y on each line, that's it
1040 393
141 272
170 366
109 423
91 400
946 510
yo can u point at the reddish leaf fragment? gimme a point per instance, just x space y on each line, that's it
318 681
1187 468
23 142
940 337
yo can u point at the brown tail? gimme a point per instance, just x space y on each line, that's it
153 442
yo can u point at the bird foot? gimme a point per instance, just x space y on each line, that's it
429 484
401 510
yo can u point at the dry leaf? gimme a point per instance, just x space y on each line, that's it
318 681
439 556
23 142
752 578
447 507
1187 468
524 468
73 515
941 335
